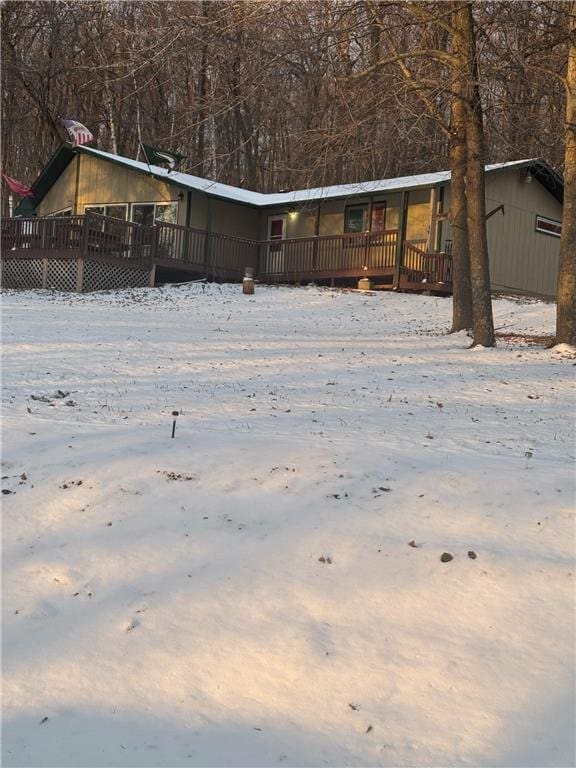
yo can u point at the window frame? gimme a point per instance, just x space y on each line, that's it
129 207
62 212
544 231
356 206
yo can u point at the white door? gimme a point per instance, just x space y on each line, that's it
276 233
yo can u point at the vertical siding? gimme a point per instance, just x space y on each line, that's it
104 182
62 193
521 259
235 219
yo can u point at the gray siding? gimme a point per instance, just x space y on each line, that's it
521 259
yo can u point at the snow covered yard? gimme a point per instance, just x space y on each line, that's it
267 588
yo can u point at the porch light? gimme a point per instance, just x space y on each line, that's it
528 178
292 214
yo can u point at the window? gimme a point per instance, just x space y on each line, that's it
94 209
167 212
143 213
65 212
548 226
356 218
114 211
148 213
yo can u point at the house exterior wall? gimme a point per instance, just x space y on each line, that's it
235 219
62 193
521 259
332 215
102 182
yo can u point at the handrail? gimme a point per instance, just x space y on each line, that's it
96 235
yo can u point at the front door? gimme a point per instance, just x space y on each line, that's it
276 233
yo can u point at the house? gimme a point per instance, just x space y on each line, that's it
123 221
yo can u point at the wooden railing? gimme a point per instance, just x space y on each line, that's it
425 268
353 253
222 256
55 233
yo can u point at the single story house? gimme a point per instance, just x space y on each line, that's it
394 231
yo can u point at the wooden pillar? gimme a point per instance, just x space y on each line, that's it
369 229
45 273
152 276
316 235
431 244
208 237
401 237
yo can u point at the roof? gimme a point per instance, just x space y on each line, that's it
538 167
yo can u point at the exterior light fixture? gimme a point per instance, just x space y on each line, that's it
292 214
528 177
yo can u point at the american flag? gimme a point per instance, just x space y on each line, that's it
78 133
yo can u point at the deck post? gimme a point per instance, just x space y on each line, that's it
367 236
208 237
79 274
401 237
316 234
85 235
45 272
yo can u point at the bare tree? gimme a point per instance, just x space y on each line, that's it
566 306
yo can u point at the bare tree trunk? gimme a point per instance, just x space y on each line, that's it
483 322
462 318
202 89
566 300
110 115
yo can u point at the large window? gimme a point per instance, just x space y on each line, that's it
548 226
116 211
140 213
148 213
143 213
357 218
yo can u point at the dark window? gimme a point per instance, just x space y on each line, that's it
94 209
143 214
116 211
356 219
548 226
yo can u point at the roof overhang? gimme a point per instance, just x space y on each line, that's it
537 167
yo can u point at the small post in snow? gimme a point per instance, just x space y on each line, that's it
248 281
174 414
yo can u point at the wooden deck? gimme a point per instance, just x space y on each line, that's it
224 257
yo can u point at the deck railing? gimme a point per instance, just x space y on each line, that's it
425 268
218 255
354 253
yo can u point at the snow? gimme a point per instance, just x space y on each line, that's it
246 593
259 199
